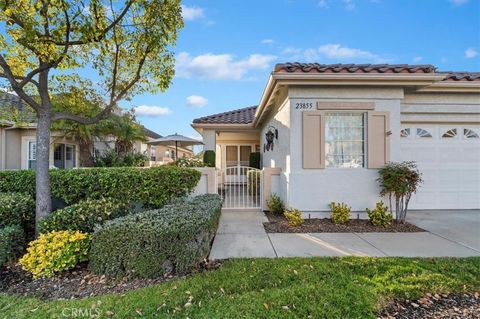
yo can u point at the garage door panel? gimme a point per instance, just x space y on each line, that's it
450 168
470 198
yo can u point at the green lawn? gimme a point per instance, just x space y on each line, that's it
348 287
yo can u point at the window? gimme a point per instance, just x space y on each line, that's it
405 132
468 133
450 133
423 133
58 152
345 140
153 154
32 154
69 153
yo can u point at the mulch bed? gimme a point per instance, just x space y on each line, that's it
278 224
435 306
77 283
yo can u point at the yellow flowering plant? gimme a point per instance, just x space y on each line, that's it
55 252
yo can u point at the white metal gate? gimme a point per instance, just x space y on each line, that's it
240 187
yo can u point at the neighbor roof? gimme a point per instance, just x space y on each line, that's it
10 102
353 68
239 116
150 133
462 76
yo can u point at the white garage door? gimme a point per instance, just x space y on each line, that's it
449 158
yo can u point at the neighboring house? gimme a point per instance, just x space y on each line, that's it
324 130
18 141
158 155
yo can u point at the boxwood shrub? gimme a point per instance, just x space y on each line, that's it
17 209
150 244
152 186
84 215
12 242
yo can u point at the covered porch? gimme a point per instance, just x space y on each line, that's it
241 179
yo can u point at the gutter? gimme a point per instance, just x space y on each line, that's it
277 78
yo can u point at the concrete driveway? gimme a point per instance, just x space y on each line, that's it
460 226
449 234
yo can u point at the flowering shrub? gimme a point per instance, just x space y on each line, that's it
379 216
188 162
55 252
294 217
340 212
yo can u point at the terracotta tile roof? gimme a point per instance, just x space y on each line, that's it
462 76
239 116
353 68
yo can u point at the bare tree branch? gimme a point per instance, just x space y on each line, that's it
22 78
15 86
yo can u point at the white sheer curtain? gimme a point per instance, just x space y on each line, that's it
344 140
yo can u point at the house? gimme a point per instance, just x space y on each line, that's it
157 155
18 141
18 148
323 132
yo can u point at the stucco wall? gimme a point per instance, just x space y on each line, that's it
314 189
13 149
279 157
16 147
435 107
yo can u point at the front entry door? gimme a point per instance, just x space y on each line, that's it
236 155
64 156
59 156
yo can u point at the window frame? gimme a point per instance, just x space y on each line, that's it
32 160
364 114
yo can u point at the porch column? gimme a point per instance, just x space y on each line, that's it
210 140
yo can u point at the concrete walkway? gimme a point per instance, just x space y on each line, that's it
241 234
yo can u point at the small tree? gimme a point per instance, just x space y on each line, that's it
400 181
118 48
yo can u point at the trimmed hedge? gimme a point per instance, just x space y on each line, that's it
254 160
19 181
152 186
12 241
16 209
209 158
151 244
84 215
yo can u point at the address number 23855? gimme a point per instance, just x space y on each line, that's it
304 105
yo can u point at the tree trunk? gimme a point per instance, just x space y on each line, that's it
86 159
42 163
